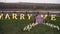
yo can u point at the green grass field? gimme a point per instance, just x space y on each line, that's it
16 27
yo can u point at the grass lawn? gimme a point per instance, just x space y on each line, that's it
16 27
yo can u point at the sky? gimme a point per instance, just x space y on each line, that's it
31 1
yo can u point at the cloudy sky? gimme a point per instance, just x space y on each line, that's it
31 1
